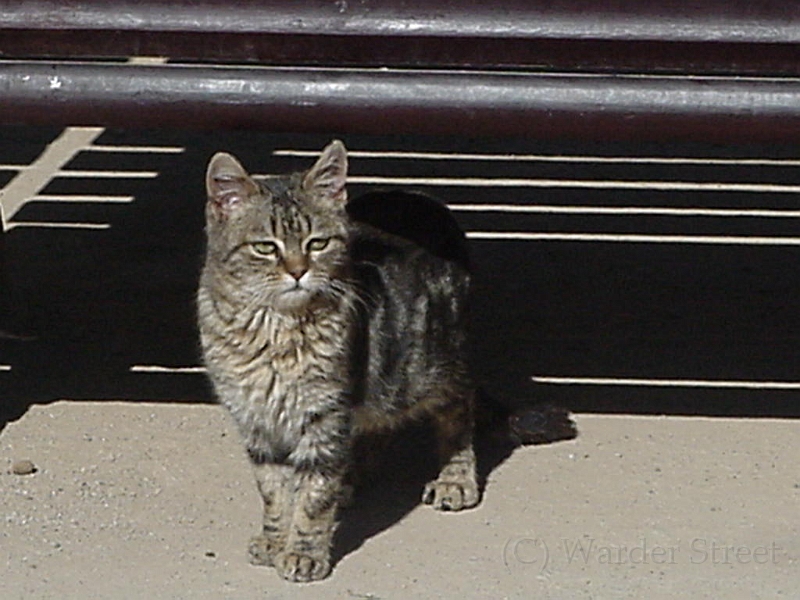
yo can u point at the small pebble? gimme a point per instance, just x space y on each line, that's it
23 467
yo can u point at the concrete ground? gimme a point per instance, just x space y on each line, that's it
143 500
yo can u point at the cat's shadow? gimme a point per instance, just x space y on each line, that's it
416 217
396 490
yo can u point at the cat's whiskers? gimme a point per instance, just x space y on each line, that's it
361 295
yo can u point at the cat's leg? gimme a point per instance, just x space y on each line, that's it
456 487
306 556
277 486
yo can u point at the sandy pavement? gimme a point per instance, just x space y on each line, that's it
156 501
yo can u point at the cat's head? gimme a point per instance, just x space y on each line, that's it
279 241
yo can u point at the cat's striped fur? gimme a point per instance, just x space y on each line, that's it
318 332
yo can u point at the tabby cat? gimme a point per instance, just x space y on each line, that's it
320 332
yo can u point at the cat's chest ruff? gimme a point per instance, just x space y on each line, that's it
283 373
289 347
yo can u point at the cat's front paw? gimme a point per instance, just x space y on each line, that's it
262 551
296 567
451 495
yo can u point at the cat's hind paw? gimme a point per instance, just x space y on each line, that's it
451 495
300 568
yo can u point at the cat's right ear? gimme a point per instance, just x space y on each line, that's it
227 184
327 178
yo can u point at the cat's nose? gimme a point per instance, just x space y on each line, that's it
296 266
297 272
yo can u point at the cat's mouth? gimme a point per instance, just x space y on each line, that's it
294 297
297 291
297 287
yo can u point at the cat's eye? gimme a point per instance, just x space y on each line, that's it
317 244
265 248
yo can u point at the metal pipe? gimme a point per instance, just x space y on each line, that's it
712 37
401 101
710 21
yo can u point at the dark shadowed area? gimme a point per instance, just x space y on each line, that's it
88 312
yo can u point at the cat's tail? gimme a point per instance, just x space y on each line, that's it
525 424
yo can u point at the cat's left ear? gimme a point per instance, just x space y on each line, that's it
227 184
326 179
